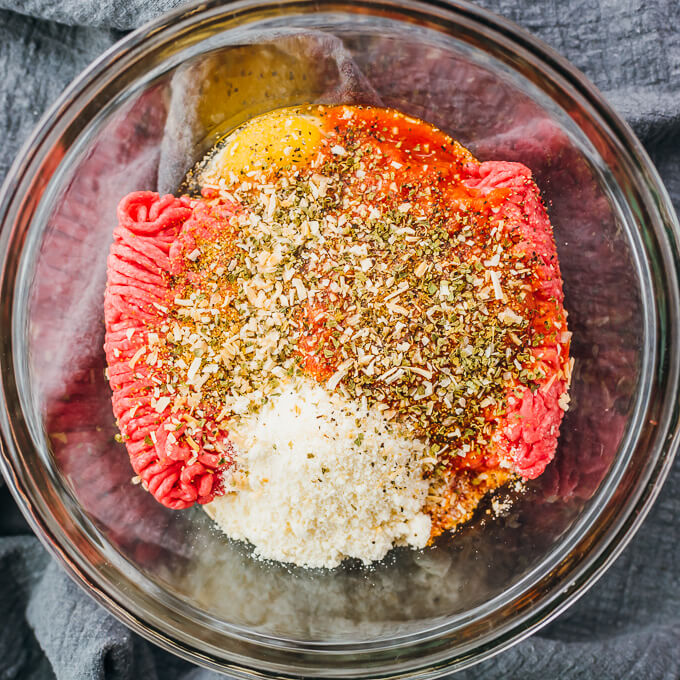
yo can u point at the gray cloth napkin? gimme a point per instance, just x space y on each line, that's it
626 626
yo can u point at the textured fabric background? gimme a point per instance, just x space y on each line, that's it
626 626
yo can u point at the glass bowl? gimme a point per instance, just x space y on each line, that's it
138 119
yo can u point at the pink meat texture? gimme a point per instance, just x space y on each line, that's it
152 239
137 297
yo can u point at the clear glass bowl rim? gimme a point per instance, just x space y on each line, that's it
582 576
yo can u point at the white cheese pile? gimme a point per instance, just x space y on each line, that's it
320 478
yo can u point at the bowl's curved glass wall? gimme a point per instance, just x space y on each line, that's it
148 124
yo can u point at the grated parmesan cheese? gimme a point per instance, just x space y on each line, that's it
321 478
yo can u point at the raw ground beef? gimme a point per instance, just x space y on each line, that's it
137 296
155 231
528 433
